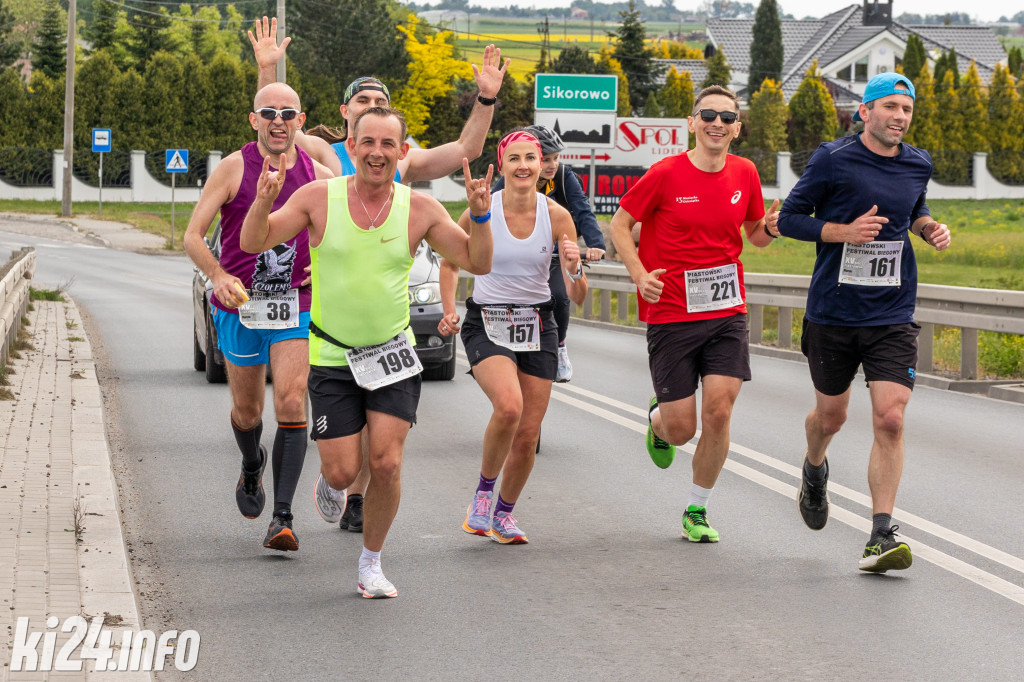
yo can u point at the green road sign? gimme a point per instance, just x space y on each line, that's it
574 92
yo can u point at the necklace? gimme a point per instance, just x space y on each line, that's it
373 220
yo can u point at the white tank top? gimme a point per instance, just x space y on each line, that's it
520 267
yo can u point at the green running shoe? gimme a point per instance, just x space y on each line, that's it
695 525
662 453
885 553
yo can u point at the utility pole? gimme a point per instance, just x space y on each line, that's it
280 38
69 116
543 30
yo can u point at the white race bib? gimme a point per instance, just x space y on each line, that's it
270 310
517 329
875 264
383 364
713 289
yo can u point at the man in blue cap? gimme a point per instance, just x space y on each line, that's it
859 200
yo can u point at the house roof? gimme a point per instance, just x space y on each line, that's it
841 32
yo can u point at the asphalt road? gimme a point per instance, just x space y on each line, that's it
606 589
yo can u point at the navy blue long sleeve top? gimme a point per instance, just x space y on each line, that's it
843 180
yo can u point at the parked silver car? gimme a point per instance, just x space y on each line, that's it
436 352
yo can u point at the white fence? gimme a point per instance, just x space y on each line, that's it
14 295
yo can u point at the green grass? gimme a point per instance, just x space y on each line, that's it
154 218
44 294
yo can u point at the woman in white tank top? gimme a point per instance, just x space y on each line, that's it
509 333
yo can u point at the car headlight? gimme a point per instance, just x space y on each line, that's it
423 294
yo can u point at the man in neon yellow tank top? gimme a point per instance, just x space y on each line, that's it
363 232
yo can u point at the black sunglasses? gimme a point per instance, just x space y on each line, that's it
270 113
709 115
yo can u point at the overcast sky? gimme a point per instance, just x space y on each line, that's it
987 10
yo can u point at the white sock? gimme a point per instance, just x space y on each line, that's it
654 412
368 558
698 496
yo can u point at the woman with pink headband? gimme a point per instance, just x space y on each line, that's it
509 333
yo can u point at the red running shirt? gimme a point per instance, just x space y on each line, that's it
692 220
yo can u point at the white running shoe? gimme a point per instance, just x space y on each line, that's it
373 584
330 503
564 366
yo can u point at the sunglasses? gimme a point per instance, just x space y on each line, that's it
709 115
270 113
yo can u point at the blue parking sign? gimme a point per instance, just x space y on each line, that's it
176 161
101 140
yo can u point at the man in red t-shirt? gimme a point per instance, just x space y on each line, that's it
690 290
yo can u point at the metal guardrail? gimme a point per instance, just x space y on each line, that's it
970 310
14 294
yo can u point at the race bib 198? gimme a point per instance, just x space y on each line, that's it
270 310
713 289
517 329
875 264
383 364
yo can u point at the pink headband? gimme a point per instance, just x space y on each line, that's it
518 136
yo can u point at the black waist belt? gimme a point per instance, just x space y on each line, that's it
545 307
320 333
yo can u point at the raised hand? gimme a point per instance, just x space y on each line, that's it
271 182
771 219
569 254
865 228
489 76
264 43
478 192
650 287
938 235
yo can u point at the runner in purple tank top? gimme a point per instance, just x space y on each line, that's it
260 308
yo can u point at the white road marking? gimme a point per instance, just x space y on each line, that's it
963 569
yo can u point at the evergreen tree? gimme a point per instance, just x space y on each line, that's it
813 113
10 47
609 64
973 112
49 51
1015 61
102 30
230 101
1006 128
163 121
719 71
651 107
634 56
127 130
574 59
542 65
766 53
149 34
45 111
677 94
924 131
767 128
946 63
95 79
914 57
195 102
952 165
13 101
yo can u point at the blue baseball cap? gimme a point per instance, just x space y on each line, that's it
883 85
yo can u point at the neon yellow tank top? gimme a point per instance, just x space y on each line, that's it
360 278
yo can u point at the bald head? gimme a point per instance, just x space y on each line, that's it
277 95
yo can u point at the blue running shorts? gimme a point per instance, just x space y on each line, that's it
246 347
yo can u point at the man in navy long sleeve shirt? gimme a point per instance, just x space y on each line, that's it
867 194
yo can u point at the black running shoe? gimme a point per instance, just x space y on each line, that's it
813 501
249 495
280 535
352 519
885 553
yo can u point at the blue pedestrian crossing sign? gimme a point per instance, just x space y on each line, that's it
176 161
101 139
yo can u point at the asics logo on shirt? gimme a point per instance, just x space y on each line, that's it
736 197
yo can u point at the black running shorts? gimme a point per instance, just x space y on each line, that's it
541 363
340 405
888 353
680 353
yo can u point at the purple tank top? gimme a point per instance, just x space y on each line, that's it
282 267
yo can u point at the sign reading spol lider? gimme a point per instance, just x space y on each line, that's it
576 92
639 142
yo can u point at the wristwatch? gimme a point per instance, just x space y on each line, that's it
486 101
579 272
